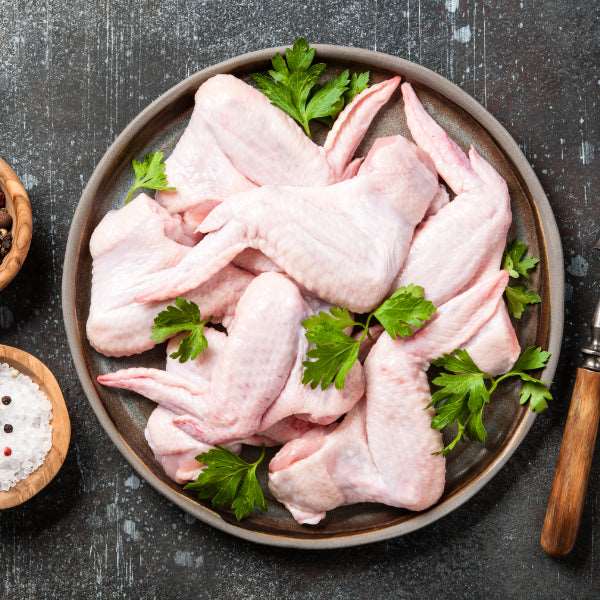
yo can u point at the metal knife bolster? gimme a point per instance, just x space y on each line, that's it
592 350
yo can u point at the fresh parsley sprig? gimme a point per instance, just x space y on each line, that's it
465 390
229 482
518 298
518 264
359 82
149 174
516 260
405 311
184 316
334 351
293 86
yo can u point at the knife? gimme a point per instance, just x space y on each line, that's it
567 495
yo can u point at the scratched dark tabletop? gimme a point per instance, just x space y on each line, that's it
72 75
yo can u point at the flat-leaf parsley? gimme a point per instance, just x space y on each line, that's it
293 86
229 482
333 350
518 264
149 174
183 317
465 390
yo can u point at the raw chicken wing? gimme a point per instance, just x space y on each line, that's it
344 243
237 139
442 258
384 449
127 246
248 382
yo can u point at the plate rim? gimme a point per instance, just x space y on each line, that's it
548 232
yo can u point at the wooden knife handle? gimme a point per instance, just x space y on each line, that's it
567 495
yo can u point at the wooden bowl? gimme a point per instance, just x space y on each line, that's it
61 427
123 414
19 207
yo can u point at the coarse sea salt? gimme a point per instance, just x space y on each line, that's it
25 429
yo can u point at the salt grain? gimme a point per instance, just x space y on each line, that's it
30 436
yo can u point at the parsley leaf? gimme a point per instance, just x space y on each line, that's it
230 482
149 174
405 311
462 397
293 86
324 102
299 57
531 359
334 351
518 298
184 316
518 264
359 82
336 319
465 391
536 394
533 391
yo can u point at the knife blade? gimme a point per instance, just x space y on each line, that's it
567 496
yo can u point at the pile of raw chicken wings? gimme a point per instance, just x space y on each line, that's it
265 228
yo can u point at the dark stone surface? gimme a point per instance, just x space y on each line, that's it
72 75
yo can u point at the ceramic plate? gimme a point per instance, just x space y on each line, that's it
123 415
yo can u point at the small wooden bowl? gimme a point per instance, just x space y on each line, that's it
61 427
19 207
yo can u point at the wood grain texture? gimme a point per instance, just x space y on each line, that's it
61 427
567 496
19 207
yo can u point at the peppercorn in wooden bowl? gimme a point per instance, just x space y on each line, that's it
15 224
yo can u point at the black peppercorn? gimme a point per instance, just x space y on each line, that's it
8 428
6 400
5 219
6 239
5 242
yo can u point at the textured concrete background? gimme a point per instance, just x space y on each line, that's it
72 74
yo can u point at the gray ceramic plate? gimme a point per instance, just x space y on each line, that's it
123 415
